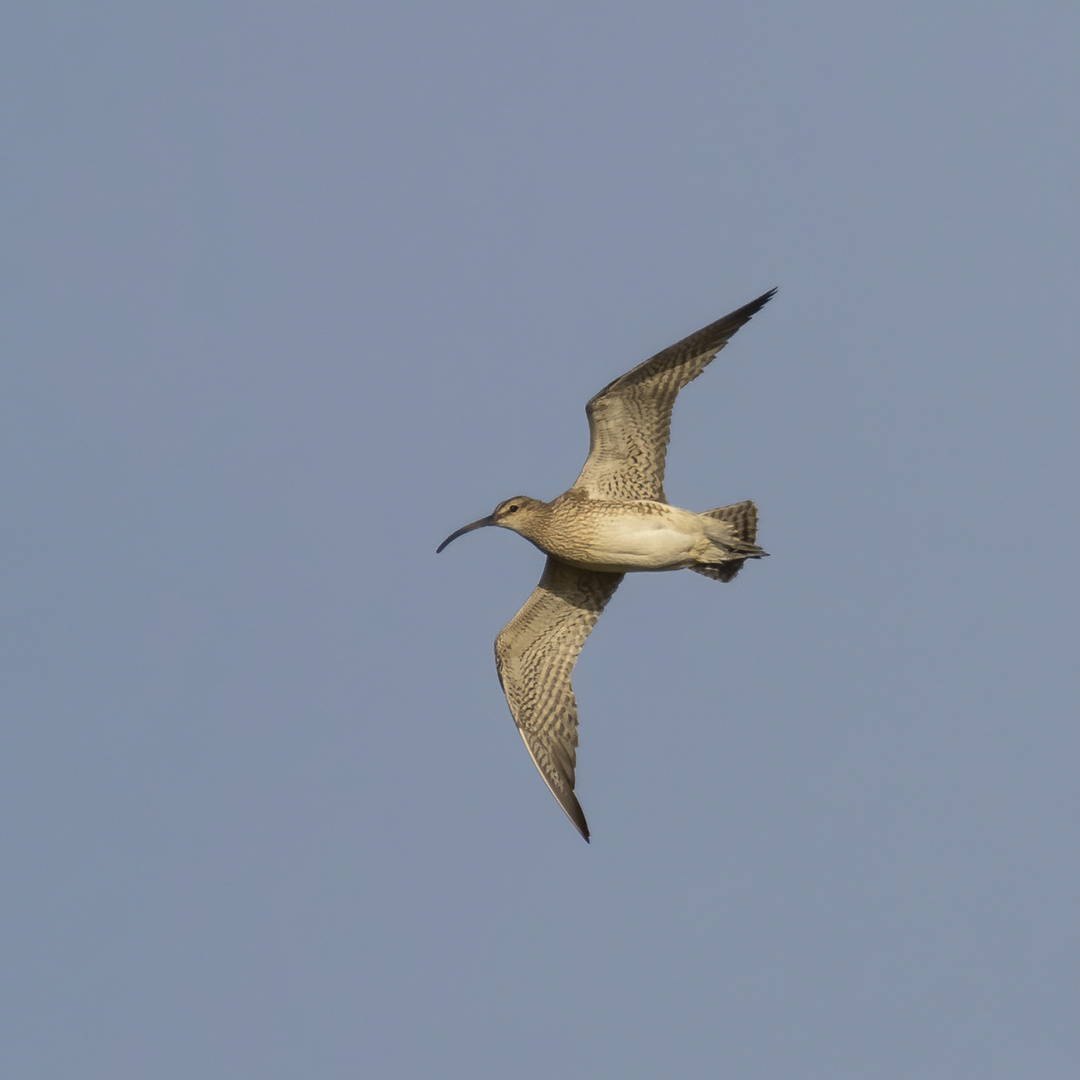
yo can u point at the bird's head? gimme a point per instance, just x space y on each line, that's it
516 513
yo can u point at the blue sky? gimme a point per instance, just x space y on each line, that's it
293 291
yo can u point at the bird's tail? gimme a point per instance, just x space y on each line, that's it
742 518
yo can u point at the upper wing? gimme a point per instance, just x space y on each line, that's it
630 419
535 654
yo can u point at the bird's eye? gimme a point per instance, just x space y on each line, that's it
512 508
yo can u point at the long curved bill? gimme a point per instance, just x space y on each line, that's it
489 520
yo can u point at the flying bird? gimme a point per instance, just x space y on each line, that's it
613 521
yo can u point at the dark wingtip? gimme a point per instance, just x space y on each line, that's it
576 815
736 319
755 306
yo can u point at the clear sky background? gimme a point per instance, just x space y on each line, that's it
291 291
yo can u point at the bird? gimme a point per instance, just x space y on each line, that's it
614 520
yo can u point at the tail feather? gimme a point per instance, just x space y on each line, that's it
743 519
742 516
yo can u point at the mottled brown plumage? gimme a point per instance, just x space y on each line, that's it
630 419
535 654
614 520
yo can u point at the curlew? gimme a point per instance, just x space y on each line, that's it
614 520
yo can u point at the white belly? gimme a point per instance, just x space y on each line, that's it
658 541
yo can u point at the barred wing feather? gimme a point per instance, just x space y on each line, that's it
630 419
535 654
